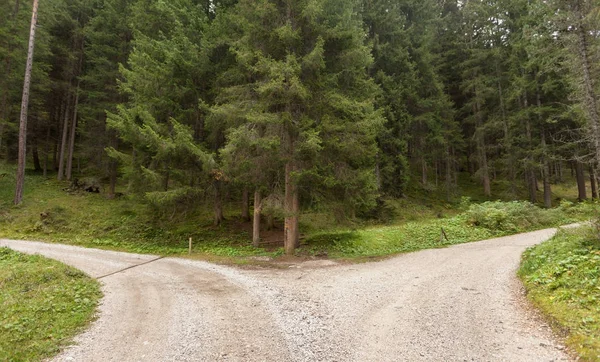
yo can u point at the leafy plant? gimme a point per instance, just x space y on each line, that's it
562 278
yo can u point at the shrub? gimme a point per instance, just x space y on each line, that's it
510 216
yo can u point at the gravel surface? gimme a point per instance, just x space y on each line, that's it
462 303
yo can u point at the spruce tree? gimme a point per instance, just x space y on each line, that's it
306 92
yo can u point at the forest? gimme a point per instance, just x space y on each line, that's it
284 106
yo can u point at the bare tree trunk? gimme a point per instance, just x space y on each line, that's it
481 148
591 101
593 184
558 171
36 155
63 142
218 206
448 175
3 108
485 173
256 220
112 165
291 210
580 181
529 170
167 178
423 171
72 136
507 142
24 108
245 204
546 174
437 173
545 165
46 151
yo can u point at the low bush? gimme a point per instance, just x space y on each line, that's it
516 216
478 222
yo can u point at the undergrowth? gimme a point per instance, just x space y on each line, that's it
51 213
562 277
477 222
43 305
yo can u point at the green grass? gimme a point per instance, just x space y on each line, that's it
477 222
562 277
49 213
43 304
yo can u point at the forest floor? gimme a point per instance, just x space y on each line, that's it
460 303
51 212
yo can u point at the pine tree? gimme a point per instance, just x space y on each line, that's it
306 93
163 81
108 38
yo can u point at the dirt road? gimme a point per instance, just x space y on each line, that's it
457 304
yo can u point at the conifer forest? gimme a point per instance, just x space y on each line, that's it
298 105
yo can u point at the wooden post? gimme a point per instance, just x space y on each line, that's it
190 247
443 236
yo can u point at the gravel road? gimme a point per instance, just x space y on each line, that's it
461 303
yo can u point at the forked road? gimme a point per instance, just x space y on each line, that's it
462 303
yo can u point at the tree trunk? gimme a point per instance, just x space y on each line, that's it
580 181
545 164
423 171
507 142
24 107
593 183
588 82
529 170
63 142
437 173
72 136
5 85
256 220
448 175
481 148
291 210
546 174
547 187
46 151
198 126
485 173
559 171
377 171
218 206
245 204
36 156
112 165
167 180
270 222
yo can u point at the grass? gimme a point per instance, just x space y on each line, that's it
49 213
477 222
562 277
43 305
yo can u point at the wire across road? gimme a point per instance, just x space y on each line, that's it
462 303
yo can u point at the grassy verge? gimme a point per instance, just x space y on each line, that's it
43 304
562 277
477 222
